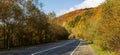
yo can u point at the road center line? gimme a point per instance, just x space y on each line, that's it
75 49
53 47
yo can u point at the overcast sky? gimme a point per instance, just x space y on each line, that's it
61 7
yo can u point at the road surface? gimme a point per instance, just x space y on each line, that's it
68 47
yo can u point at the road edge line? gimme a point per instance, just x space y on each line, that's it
52 48
75 49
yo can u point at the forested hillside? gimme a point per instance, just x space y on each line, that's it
23 24
70 16
100 25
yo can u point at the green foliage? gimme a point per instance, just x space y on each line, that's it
99 51
52 15
75 21
88 25
88 13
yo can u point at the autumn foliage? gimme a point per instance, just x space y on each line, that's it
99 25
23 24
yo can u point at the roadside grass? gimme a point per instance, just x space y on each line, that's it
99 51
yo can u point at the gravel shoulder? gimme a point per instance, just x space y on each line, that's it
84 49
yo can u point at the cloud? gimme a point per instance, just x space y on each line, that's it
85 4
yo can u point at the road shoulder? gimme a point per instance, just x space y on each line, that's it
84 49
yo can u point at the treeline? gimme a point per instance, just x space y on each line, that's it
22 23
100 26
109 27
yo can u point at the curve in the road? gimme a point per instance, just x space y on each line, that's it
53 48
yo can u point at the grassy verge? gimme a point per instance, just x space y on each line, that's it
99 51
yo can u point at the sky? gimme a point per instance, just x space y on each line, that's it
61 7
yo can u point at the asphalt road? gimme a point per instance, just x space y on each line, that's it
60 48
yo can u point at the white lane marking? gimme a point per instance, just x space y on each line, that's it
53 48
75 49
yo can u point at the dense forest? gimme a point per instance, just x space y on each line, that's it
100 25
22 23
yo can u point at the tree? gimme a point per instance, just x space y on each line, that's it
52 15
9 12
75 21
23 23
109 28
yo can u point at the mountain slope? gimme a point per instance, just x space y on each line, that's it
100 25
70 16
84 17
